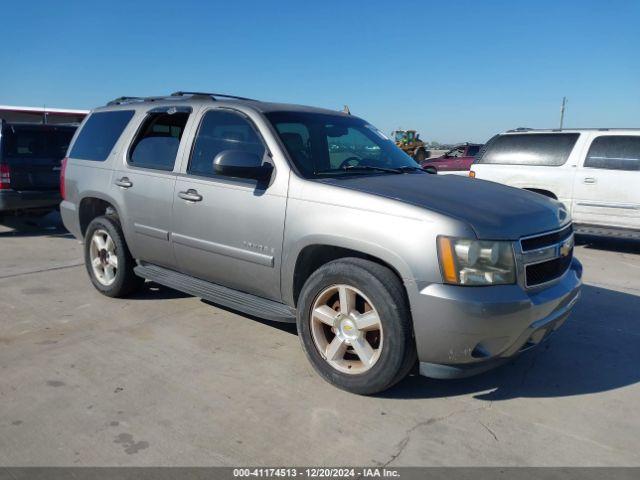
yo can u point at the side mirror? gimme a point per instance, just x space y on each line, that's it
430 169
241 164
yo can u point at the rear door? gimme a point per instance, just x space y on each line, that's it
145 180
606 189
33 154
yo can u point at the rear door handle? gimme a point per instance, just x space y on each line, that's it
589 180
190 195
124 182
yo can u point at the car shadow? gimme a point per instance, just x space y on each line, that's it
610 244
282 326
596 350
33 226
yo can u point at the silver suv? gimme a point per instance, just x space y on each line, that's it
299 214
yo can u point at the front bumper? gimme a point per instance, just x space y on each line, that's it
462 331
12 200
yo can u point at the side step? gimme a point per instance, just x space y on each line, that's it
612 232
243 302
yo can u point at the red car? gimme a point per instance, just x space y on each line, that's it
458 158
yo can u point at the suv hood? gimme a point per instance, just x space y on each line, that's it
494 211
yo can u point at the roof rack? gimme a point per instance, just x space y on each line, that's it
211 96
599 129
125 100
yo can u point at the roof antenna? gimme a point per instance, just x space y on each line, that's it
346 110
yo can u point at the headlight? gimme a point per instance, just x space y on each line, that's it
475 262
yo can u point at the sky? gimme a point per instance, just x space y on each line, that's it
453 70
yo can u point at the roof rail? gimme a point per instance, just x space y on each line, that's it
599 129
211 95
125 100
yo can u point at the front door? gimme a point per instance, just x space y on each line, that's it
146 182
229 230
606 185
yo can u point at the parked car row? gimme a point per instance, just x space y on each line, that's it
299 214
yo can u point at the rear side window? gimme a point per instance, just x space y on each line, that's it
614 153
99 134
36 142
219 131
158 139
549 149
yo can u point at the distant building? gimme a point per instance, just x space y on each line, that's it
11 113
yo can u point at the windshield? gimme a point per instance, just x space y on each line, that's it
34 142
400 136
323 145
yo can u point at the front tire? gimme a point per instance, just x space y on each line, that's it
355 325
108 260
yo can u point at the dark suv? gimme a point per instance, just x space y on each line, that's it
30 157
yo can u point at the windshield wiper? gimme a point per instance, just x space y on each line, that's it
349 168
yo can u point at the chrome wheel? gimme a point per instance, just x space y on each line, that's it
103 256
346 329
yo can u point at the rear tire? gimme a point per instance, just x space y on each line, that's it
420 156
108 260
345 345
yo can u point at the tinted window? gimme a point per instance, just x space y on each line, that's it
473 150
99 134
614 153
551 149
220 131
157 142
33 142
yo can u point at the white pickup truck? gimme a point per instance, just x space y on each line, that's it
594 172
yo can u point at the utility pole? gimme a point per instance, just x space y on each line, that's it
564 104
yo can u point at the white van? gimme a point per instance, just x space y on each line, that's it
594 172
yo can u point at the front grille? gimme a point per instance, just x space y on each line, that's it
542 241
544 272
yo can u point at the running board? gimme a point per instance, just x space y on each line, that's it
243 302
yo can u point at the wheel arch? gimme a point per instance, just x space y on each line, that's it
313 254
93 205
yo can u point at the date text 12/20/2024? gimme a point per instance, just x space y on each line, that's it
316 473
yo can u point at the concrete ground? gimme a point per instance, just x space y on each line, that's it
167 379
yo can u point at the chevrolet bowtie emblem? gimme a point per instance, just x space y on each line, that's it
565 248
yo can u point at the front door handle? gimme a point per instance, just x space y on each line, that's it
190 195
124 182
589 180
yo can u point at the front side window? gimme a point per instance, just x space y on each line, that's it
615 152
157 142
473 150
323 145
548 149
99 134
220 131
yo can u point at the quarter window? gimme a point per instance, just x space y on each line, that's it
157 142
99 134
615 152
219 131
